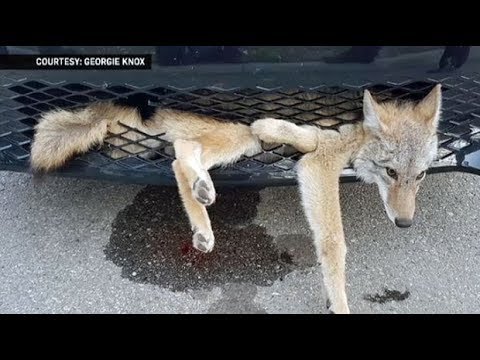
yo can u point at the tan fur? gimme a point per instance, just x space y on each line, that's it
402 198
402 125
286 132
318 174
200 143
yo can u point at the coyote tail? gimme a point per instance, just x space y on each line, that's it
62 134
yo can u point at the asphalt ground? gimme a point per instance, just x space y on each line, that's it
82 246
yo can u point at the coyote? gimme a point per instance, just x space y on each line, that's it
393 147
200 143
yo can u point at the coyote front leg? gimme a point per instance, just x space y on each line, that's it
318 178
319 170
269 130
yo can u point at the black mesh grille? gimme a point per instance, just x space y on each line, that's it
326 106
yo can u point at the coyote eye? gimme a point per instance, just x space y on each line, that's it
392 173
421 175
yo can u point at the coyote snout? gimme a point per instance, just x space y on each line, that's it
400 203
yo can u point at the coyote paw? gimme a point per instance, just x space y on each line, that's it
267 129
204 191
203 242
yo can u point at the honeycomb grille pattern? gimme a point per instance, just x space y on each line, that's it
22 101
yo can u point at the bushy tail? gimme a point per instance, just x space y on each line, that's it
62 134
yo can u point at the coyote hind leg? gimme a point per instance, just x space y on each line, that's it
193 160
196 190
189 157
203 238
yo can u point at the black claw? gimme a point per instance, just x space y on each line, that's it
328 303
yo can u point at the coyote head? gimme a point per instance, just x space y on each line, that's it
401 145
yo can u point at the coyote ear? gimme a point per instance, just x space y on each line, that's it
431 105
371 115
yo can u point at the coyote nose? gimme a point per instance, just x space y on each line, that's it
403 223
